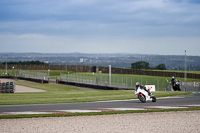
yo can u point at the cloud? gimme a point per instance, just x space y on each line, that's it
114 11
97 22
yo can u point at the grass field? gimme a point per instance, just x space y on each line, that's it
194 72
68 94
56 93
57 72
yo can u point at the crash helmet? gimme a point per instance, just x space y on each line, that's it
137 84
141 86
173 77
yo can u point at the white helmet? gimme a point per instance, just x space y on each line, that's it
137 84
172 77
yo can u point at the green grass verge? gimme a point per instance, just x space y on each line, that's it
56 93
194 72
57 72
96 113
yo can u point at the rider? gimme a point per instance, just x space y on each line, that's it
143 87
173 81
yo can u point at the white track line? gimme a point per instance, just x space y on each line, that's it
196 105
123 109
29 113
166 107
78 111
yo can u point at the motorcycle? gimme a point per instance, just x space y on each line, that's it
143 96
176 85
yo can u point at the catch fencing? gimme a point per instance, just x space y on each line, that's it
117 81
188 86
33 75
103 80
191 86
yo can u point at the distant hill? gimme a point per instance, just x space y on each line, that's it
172 62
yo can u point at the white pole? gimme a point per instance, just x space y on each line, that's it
185 74
48 74
109 75
13 71
6 65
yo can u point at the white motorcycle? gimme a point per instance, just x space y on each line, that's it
143 95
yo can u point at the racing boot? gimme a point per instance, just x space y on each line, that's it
150 94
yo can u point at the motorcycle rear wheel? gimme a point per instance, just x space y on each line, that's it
153 99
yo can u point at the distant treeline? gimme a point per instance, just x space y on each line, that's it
26 63
145 65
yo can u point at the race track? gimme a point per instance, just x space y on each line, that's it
133 104
170 122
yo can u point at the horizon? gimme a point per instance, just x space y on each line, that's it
93 53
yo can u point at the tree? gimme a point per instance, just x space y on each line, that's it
160 67
140 65
26 63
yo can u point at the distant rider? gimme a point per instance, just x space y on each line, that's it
143 87
173 82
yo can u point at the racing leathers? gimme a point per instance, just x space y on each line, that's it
143 87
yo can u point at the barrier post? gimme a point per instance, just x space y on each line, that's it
42 81
0 86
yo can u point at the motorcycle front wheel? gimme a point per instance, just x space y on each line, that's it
178 88
142 98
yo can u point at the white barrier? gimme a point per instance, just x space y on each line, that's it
152 88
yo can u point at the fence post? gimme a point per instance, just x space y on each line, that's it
131 83
157 84
199 86
0 86
126 83
110 80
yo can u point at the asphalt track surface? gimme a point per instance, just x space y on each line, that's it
132 103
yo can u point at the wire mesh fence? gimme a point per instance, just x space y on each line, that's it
192 86
33 75
101 79
118 81
188 86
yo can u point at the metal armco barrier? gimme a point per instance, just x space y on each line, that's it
7 87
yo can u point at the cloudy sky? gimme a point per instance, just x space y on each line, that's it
100 26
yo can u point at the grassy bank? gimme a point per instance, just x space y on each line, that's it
194 72
56 93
